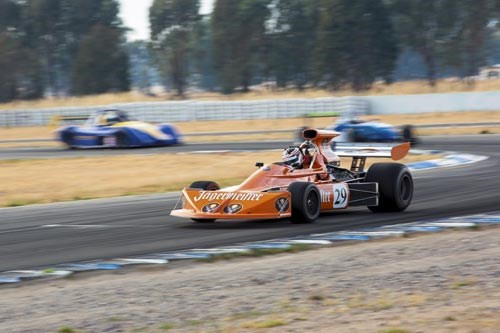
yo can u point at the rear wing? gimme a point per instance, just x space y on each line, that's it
395 152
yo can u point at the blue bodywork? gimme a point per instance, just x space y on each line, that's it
356 130
113 129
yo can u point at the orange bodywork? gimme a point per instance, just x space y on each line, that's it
264 194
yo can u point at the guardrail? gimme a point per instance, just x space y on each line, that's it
291 131
184 111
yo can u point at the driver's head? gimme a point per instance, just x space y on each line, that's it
292 156
112 118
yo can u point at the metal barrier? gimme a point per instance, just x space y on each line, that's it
183 111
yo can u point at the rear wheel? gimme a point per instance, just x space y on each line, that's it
207 186
67 138
306 202
121 140
408 134
351 135
395 185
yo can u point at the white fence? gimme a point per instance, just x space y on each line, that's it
268 109
195 110
468 101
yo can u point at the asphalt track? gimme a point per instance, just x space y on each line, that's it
28 153
42 235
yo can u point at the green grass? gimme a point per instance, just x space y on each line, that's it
115 319
66 329
166 326
462 283
257 253
19 203
265 323
394 330
194 322
246 315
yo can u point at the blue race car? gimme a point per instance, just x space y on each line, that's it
113 129
356 130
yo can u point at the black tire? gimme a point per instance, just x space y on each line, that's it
351 135
207 186
298 135
395 185
121 140
67 138
408 134
306 202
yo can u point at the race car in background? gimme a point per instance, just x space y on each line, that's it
357 130
113 129
300 188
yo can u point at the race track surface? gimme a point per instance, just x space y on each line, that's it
43 235
26 153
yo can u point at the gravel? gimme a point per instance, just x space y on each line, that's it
445 282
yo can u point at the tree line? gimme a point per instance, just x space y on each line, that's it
61 47
77 47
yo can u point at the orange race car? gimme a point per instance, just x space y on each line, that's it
307 182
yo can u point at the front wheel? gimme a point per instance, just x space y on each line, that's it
408 134
121 140
395 185
67 139
207 186
306 202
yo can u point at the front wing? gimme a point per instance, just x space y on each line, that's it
201 204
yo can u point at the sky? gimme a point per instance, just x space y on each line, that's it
135 15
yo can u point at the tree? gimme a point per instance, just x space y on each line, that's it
292 37
19 70
143 72
465 49
172 23
101 64
356 43
426 26
202 46
239 34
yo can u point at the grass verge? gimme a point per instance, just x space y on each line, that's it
397 88
45 132
27 182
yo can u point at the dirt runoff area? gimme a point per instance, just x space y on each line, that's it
444 282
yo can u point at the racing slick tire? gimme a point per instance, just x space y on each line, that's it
121 140
306 202
207 186
408 134
351 135
395 185
67 138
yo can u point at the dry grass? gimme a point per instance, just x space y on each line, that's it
93 100
398 88
41 132
41 181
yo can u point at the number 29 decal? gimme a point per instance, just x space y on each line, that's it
340 195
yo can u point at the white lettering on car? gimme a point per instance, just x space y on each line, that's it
210 195
325 196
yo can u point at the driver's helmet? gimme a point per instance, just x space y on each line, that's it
292 156
112 118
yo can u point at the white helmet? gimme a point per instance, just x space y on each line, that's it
292 156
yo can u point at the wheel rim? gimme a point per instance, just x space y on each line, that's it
312 203
405 189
